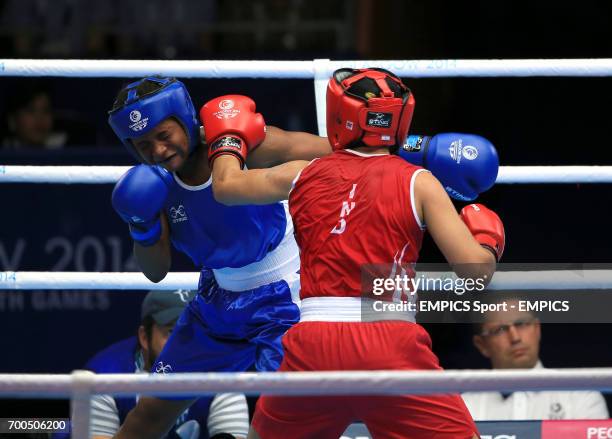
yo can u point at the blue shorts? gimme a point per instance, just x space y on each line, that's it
228 331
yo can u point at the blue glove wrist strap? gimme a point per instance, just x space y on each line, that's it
146 235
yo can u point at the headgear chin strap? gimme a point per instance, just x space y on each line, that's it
141 113
370 107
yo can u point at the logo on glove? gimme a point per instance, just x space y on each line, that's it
226 104
457 150
227 111
413 143
469 152
226 142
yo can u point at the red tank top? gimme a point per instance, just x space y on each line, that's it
351 209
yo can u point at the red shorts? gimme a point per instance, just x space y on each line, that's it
361 346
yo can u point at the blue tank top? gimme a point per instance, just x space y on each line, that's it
217 236
123 357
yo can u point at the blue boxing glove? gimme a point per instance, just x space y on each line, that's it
465 164
138 198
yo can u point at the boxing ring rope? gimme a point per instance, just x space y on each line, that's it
502 281
305 383
304 69
110 174
81 385
318 69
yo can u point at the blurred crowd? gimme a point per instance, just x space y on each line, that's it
36 114
169 30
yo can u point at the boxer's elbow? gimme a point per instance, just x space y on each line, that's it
154 261
155 276
224 192
480 266
226 185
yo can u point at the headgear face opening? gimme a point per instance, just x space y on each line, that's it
140 113
370 107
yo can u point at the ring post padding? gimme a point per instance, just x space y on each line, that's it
80 402
322 72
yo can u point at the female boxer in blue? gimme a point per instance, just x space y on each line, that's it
248 256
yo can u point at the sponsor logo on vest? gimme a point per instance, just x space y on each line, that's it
163 368
178 214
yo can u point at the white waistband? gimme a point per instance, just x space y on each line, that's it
280 262
353 309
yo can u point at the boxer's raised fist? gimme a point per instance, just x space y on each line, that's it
138 198
231 126
486 227
465 164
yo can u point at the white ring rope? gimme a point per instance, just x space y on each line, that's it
307 383
304 69
110 174
508 280
61 174
60 280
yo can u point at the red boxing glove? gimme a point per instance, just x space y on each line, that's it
231 126
485 226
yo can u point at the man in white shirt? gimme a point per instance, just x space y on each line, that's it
511 340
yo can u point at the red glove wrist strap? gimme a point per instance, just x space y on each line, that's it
230 144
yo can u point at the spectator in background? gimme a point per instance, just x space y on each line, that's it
511 340
225 417
29 119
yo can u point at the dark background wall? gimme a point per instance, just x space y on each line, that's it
532 121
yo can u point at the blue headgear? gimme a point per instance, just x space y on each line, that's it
141 113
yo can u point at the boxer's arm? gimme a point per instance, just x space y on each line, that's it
282 146
232 186
450 234
155 260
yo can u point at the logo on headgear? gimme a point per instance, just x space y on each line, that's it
139 123
135 115
379 120
226 104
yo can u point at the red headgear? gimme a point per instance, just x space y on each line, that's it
371 107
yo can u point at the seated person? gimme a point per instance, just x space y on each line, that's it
225 418
511 340
30 121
